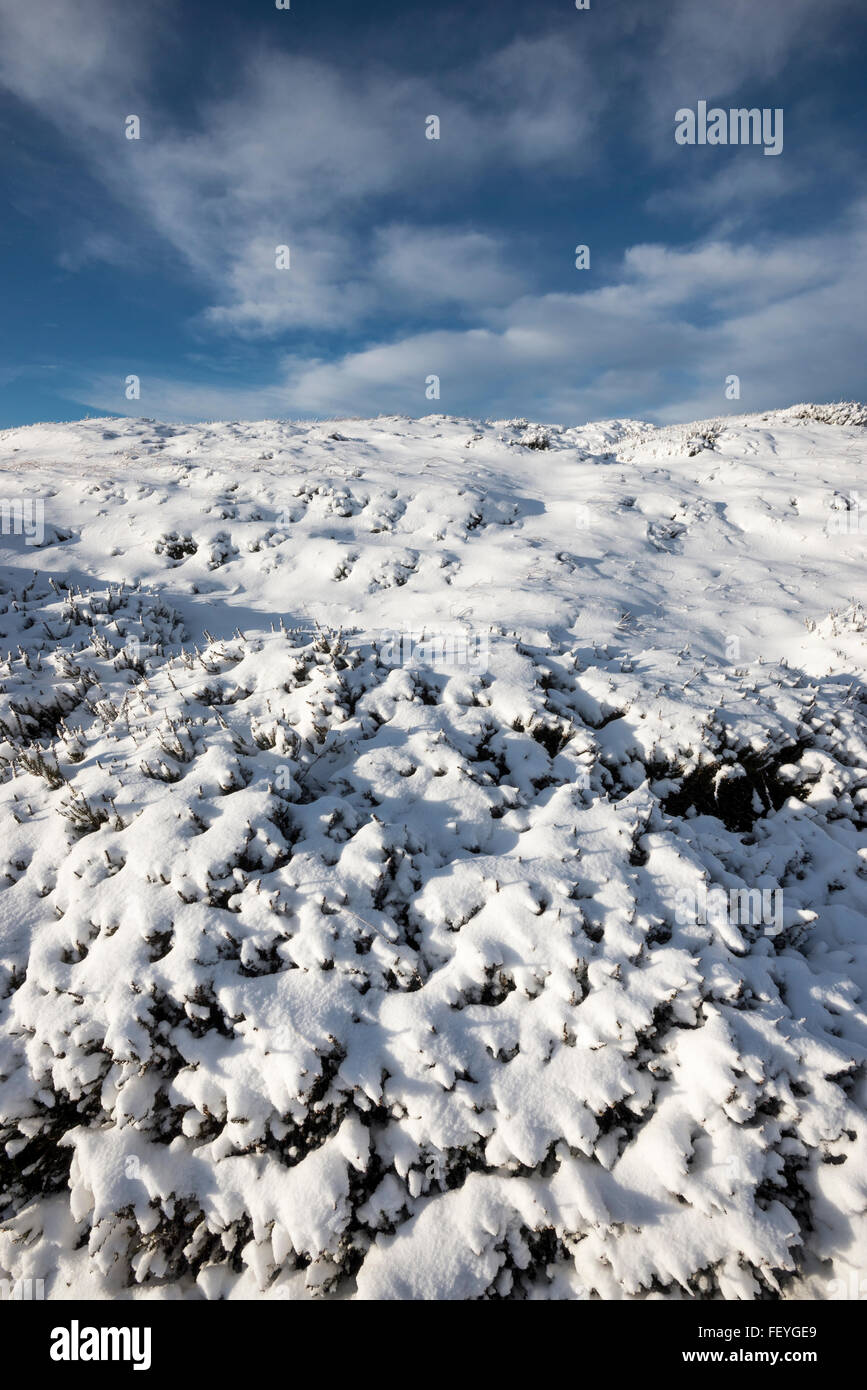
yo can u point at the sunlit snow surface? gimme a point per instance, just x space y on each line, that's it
329 966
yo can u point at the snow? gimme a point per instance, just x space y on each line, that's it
357 779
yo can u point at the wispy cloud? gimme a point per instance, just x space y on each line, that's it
299 153
385 237
575 356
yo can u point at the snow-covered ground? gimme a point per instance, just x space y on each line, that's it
432 858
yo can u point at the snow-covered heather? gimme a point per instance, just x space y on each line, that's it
356 781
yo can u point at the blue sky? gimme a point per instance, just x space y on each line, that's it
412 257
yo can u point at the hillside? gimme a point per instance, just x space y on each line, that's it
432 858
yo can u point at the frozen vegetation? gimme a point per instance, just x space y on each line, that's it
357 779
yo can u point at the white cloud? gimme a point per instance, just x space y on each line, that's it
788 321
441 265
299 152
711 51
75 65
334 163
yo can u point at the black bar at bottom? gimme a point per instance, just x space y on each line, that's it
177 1337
